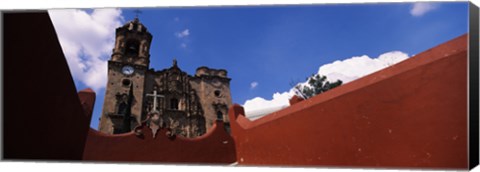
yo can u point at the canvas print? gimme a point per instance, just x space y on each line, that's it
378 85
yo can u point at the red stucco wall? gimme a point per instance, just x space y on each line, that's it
412 114
215 147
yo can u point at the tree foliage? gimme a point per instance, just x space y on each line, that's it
316 84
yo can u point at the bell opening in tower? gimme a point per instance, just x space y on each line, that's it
132 48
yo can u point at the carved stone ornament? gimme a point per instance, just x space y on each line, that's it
154 123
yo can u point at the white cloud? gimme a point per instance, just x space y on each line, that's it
346 70
353 68
87 40
257 106
253 85
176 19
183 33
420 8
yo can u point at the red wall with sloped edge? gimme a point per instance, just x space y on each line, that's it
410 115
44 117
214 147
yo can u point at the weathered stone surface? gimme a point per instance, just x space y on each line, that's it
187 105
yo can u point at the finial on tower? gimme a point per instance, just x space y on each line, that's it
174 61
137 11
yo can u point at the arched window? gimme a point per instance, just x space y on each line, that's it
219 115
174 104
122 108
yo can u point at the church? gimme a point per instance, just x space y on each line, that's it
187 105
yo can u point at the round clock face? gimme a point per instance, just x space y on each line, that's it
127 70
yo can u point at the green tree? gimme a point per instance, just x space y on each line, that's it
316 84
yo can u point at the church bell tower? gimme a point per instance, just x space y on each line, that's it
127 68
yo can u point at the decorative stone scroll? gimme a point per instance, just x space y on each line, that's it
154 122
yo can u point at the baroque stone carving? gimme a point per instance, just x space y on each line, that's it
185 106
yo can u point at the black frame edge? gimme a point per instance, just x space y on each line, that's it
473 85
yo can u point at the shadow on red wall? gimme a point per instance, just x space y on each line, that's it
412 114
44 118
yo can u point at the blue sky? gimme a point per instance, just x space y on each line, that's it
264 48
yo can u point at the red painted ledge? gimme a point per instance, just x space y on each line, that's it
410 115
214 147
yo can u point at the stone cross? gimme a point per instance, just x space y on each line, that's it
155 95
137 11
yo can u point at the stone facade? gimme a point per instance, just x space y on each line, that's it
187 105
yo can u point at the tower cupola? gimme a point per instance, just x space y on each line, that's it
132 44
